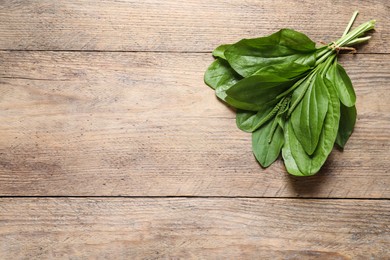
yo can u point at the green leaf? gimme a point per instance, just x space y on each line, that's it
255 92
300 87
272 54
249 121
267 142
288 71
295 41
220 74
308 117
346 125
345 91
289 161
220 50
310 165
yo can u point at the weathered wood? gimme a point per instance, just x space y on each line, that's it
196 25
197 228
145 124
141 122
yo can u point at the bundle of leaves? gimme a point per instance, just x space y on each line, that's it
295 98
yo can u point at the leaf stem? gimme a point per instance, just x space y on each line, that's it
358 40
327 64
355 33
325 56
355 14
296 84
349 38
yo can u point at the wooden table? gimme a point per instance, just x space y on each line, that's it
112 147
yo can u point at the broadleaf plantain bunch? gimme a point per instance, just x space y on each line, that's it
295 98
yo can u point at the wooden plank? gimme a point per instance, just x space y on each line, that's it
145 124
197 228
193 25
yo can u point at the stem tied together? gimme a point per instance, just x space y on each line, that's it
348 39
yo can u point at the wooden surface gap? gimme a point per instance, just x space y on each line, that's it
191 197
163 51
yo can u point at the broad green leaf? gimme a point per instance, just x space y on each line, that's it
310 165
296 40
308 117
254 92
246 120
290 71
346 125
220 74
345 91
220 50
300 87
249 121
285 48
288 159
266 144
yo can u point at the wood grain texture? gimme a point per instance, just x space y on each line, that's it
194 229
145 124
106 98
196 25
